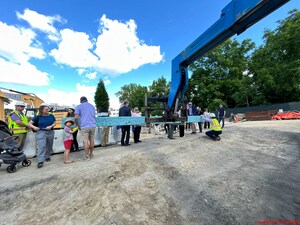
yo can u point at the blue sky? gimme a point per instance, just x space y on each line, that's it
59 49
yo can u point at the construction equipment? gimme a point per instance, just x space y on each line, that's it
30 99
235 18
33 103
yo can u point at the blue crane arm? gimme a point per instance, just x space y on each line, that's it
235 18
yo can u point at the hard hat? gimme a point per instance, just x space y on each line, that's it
71 107
20 104
190 103
44 104
212 115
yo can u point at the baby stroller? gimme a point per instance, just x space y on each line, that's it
9 151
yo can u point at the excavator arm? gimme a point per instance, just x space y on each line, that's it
235 18
30 99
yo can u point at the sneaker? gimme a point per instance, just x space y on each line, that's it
86 158
193 133
48 160
218 139
40 165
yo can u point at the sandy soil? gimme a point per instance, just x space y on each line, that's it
251 175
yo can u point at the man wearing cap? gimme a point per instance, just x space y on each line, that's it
87 114
18 123
192 111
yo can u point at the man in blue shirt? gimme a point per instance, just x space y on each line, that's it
221 115
87 114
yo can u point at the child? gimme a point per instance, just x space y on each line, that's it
216 129
68 140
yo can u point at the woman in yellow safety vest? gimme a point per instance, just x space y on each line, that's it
18 123
216 129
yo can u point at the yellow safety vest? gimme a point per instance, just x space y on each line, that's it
215 125
14 127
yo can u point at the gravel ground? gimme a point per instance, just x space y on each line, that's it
252 176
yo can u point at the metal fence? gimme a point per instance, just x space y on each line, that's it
291 106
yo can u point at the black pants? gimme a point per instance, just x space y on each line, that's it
75 142
206 125
125 131
136 134
213 134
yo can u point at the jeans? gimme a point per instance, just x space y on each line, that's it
44 139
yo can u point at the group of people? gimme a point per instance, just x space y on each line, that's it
126 111
210 120
44 122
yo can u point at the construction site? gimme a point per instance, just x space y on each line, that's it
172 170
250 177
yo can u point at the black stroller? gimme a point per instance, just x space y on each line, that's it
9 152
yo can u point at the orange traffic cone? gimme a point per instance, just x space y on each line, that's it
236 120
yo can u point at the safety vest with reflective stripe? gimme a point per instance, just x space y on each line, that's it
14 127
215 125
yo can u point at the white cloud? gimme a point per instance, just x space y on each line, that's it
74 50
80 71
114 102
42 22
72 98
69 98
120 50
107 82
18 44
91 76
23 73
17 47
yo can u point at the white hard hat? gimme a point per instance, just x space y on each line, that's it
20 104
212 115
44 104
71 107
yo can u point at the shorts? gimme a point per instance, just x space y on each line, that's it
68 144
87 134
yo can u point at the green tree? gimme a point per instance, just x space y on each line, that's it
158 88
101 98
276 64
221 76
134 93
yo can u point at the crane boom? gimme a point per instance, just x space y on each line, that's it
235 18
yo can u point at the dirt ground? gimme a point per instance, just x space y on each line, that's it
252 176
